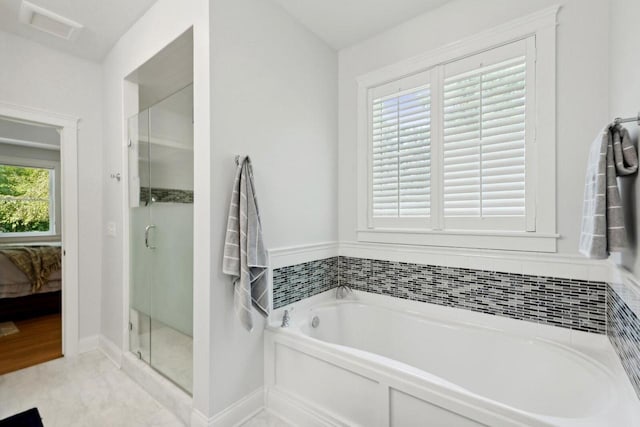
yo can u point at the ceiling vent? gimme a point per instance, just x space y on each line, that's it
49 22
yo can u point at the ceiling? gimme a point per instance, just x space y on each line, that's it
104 21
166 73
342 23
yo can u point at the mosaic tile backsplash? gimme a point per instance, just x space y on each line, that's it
166 195
573 304
296 282
624 334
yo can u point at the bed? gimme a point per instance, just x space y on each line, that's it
19 299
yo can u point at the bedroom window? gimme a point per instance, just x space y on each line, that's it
457 149
27 200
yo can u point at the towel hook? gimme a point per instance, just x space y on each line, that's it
619 120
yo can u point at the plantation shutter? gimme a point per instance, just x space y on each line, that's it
484 101
400 122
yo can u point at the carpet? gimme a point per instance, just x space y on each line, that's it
30 418
8 328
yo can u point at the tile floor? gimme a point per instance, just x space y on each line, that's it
266 419
89 390
170 352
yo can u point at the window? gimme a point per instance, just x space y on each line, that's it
401 155
484 142
450 146
482 111
27 200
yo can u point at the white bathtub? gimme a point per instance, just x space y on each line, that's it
380 361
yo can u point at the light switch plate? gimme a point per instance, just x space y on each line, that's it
111 229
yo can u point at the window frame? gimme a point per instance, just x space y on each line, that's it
539 33
54 201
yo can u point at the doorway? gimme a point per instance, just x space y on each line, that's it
38 237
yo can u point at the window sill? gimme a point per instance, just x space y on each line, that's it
17 238
502 240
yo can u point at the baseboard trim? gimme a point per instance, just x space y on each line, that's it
110 349
198 419
88 343
234 415
298 412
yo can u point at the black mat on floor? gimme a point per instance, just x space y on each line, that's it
30 418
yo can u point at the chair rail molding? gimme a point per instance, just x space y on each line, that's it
567 266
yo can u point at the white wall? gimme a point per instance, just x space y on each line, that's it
624 101
35 76
582 78
274 97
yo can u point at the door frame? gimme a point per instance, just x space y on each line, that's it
68 129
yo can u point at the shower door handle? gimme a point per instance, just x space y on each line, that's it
146 236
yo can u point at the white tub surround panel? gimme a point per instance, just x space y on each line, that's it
428 374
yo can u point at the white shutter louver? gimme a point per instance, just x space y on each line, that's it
484 141
401 154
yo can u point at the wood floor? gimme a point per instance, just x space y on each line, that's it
39 340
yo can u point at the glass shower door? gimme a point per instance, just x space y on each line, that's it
140 258
171 154
162 238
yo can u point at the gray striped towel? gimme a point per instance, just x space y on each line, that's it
612 154
245 258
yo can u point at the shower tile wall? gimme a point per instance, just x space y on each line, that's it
166 195
573 304
624 332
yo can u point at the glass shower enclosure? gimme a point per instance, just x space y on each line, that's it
161 236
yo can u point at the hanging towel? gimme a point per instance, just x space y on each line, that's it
612 154
245 257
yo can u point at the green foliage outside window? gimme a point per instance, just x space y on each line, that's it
24 199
